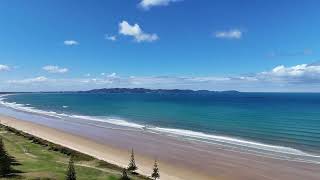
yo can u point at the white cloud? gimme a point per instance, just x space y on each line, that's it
55 69
29 80
4 67
105 79
302 73
111 38
112 75
207 79
71 42
302 77
231 34
147 4
135 31
306 75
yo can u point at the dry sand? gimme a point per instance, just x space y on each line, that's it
101 151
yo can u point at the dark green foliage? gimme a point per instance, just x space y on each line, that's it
9 134
132 164
5 161
155 174
71 172
124 175
77 156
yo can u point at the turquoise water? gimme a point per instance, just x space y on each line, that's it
284 119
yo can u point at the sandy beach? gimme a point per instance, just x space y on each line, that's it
100 151
160 89
178 159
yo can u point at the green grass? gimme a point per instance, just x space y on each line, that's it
39 162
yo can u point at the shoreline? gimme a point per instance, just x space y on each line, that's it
116 156
178 159
252 145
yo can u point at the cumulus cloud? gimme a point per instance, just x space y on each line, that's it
110 38
302 77
105 79
230 34
71 43
147 4
55 69
302 73
136 32
112 75
296 76
29 80
4 67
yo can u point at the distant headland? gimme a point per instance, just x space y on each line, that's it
137 91
159 91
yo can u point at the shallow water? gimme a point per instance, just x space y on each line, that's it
265 123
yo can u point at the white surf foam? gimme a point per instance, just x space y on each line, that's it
233 141
22 107
114 121
286 153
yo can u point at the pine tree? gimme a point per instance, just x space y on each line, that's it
132 164
5 161
71 173
155 175
124 175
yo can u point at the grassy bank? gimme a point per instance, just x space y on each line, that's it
40 159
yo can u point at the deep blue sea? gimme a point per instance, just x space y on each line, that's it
280 119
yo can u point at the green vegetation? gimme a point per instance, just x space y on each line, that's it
132 164
155 175
5 161
124 175
36 158
71 172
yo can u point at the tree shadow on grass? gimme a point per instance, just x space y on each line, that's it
14 162
14 173
12 176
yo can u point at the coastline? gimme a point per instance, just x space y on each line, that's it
119 157
263 146
177 159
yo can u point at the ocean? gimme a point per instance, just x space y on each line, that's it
268 123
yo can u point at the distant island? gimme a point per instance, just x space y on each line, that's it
137 91
159 91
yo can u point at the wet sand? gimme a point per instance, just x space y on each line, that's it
178 158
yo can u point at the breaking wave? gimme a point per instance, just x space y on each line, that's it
227 143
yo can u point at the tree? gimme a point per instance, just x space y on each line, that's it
71 172
132 164
5 161
155 175
124 175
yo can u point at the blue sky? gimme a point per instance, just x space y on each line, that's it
246 45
